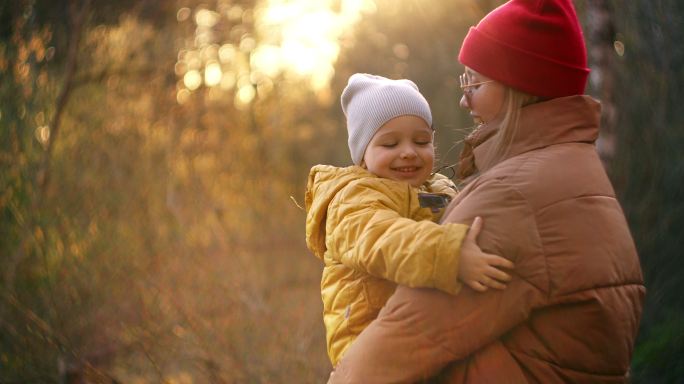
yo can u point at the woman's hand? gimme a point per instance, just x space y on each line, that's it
480 270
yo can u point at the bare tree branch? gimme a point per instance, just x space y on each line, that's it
77 24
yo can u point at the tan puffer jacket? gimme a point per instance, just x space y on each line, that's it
571 313
372 233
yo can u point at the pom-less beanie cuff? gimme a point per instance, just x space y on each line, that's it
370 101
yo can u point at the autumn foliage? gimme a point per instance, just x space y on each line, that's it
153 156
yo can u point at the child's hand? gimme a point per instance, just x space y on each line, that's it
479 270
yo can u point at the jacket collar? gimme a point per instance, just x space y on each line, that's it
572 119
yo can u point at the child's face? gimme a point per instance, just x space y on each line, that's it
485 98
403 150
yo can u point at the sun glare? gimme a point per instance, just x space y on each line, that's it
307 34
241 51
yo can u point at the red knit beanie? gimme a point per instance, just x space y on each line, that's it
535 46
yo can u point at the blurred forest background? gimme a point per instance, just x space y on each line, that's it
149 151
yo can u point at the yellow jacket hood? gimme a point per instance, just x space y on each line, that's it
324 182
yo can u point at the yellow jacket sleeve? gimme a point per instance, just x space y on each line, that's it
371 228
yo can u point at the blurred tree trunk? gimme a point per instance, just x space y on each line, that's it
600 41
78 13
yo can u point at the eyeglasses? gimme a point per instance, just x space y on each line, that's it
467 86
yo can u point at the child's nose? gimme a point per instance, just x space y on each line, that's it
408 152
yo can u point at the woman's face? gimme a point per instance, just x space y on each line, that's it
483 96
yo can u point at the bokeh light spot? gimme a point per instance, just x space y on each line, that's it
206 18
183 14
245 95
182 96
212 74
43 134
192 79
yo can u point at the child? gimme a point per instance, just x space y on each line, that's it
367 223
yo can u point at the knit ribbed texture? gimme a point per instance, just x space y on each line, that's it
535 46
370 101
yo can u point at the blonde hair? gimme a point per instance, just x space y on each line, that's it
503 138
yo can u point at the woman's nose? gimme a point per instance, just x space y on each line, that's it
464 102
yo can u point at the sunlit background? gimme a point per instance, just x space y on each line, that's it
153 156
239 53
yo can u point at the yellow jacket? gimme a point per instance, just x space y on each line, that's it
372 234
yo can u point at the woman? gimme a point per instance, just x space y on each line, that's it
572 310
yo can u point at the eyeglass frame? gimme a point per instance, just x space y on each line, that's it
465 85
467 88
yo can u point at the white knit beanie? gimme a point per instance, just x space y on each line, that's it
369 101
